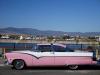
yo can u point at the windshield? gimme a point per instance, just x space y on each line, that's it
35 48
42 48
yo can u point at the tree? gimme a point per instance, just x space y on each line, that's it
50 38
65 37
92 38
77 40
14 37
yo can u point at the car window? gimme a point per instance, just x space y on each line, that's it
59 48
35 48
62 49
44 48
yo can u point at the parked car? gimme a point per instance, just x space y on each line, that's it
49 55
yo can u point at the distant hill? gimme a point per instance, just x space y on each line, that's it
36 32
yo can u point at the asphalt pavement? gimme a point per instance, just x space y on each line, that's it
83 70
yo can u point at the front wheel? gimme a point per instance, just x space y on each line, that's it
73 67
18 64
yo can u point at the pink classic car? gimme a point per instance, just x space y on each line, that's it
49 55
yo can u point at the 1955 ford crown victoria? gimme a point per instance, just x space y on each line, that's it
49 55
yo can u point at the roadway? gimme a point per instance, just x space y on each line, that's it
83 70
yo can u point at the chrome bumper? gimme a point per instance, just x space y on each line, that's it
6 62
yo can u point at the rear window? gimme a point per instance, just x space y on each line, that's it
62 49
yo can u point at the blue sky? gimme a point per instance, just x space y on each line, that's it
58 15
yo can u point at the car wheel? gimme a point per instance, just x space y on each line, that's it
73 67
18 64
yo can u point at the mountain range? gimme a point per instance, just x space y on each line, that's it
36 32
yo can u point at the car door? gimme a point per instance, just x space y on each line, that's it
46 55
60 57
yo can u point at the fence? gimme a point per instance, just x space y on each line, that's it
6 47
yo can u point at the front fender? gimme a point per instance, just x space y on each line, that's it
28 59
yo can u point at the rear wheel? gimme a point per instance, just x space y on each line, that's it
73 67
18 64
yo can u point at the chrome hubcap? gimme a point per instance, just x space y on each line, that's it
19 64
